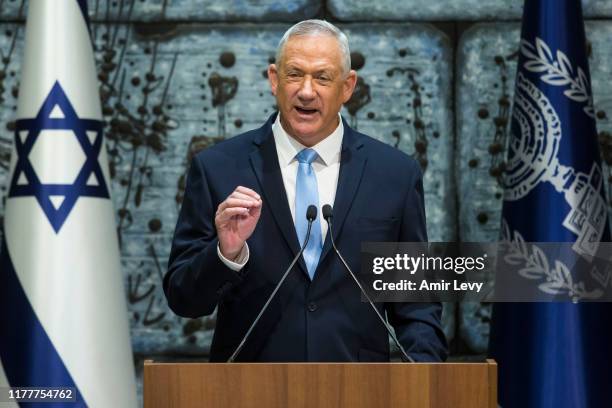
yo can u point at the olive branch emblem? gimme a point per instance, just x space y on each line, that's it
534 265
558 72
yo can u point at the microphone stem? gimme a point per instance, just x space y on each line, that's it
404 355
265 307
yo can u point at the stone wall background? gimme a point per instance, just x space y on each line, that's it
436 81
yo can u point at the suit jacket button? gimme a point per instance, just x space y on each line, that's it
312 306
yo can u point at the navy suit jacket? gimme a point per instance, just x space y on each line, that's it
379 197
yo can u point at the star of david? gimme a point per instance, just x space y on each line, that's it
57 200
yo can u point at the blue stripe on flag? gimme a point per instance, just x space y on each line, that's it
28 357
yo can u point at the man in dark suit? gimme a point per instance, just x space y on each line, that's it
243 220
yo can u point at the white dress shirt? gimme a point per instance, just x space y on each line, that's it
326 167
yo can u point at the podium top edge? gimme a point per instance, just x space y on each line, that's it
488 362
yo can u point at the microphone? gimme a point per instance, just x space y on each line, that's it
327 214
311 215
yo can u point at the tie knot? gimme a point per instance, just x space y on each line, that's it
307 156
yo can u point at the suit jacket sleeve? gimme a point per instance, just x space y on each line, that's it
197 279
417 325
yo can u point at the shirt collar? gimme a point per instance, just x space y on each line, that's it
287 147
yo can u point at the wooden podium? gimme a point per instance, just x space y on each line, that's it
317 385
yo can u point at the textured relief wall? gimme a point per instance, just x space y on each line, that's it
188 10
277 10
178 76
476 10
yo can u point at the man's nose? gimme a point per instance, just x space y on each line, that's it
306 89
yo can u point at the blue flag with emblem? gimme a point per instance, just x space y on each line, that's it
554 354
63 317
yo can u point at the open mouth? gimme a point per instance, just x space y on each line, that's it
305 111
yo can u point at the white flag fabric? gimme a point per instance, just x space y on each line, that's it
63 316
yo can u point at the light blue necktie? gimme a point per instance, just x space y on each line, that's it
307 193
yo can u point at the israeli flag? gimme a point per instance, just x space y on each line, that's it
554 355
63 317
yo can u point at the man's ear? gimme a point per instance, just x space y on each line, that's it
273 78
349 85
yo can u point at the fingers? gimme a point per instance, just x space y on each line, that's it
228 213
242 198
247 191
238 202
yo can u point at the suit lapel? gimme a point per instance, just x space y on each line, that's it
266 167
352 165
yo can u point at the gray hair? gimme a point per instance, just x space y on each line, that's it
318 27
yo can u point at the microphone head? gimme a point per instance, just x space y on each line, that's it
327 211
311 213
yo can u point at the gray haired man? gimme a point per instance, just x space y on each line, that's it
243 221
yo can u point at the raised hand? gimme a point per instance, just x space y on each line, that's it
236 219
